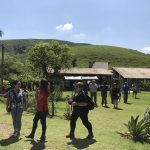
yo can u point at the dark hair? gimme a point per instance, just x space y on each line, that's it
44 85
14 83
36 84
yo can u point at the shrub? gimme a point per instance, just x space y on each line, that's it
145 86
67 113
147 119
137 130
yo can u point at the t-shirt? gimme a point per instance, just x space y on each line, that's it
81 97
93 87
16 99
104 89
42 104
125 88
115 93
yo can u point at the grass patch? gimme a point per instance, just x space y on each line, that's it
106 123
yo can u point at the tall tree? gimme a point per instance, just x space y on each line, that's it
2 62
49 57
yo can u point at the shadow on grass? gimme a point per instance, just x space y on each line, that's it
9 141
118 108
128 103
37 144
81 143
106 106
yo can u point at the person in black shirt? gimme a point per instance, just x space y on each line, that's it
80 109
104 88
115 95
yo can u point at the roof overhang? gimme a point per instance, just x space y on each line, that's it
133 73
81 77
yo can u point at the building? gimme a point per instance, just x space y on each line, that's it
130 75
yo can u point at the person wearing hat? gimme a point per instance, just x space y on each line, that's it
80 109
93 87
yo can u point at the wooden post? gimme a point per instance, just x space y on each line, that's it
2 66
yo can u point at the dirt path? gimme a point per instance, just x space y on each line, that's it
5 130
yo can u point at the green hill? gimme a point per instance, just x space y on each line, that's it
116 56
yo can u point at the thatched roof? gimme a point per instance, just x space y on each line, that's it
86 71
136 73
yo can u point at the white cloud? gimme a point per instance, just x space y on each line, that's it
65 27
80 35
146 50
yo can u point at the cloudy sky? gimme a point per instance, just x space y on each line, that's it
123 23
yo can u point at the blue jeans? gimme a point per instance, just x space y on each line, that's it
16 118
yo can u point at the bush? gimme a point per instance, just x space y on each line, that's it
6 84
147 119
67 113
145 86
139 131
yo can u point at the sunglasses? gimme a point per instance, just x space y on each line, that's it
77 86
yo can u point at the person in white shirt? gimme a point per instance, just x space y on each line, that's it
93 87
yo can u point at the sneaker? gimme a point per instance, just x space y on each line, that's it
30 136
90 136
16 134
70 135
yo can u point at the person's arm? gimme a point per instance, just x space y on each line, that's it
82 104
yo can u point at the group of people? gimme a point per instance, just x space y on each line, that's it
17 102
115 92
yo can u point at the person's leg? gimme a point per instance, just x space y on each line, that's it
95 98
124 98
43 122
114 101
135 94
35 123
86 123
102 99
74 117
18 120
92 95
117 103
105 100
13 114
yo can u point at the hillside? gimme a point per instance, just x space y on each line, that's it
116 56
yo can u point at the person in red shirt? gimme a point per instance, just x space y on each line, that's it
41 97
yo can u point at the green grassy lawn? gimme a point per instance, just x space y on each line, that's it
106 123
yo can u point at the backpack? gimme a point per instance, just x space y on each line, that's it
90 102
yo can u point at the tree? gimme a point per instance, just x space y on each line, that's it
2 66
50 57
